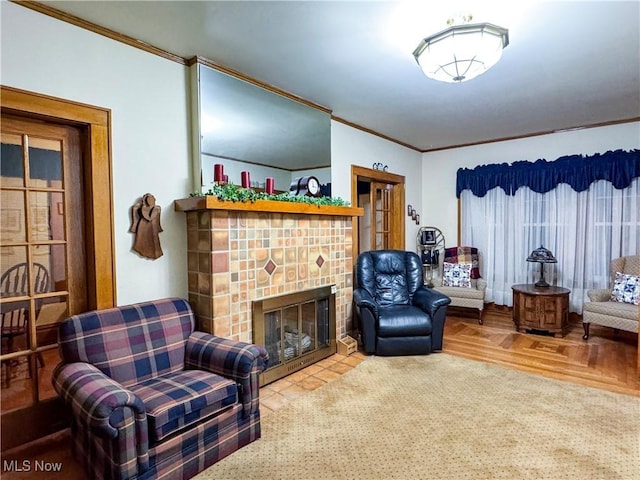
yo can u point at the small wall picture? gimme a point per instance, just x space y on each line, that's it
429 237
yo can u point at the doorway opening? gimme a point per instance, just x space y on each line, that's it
56 216
381 195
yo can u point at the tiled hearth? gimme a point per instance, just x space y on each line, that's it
235 257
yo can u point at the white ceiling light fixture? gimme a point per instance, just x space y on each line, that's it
461 52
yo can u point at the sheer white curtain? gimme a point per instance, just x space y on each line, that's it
584 231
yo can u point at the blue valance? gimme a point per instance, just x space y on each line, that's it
578 171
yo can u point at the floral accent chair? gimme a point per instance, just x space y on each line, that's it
617 306
151 398
461 280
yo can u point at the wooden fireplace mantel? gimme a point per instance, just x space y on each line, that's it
210 202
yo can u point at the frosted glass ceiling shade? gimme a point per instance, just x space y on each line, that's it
461 52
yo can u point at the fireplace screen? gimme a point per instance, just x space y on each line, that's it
296 329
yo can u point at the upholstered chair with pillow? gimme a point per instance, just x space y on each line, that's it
460 279
394 312
617 306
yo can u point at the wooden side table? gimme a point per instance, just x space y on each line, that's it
541 308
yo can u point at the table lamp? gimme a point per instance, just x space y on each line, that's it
542 256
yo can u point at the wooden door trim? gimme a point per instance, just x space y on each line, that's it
368 174
98 180
363 173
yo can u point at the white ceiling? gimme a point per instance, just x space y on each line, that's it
569 63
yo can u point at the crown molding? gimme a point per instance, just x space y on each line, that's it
92 27
536 134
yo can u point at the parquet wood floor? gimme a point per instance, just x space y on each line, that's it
608 360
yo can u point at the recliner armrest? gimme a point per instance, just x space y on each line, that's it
366 313
435 304
97 400
240 361
363 298
430 300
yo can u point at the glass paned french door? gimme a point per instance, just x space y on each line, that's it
42 265
381 205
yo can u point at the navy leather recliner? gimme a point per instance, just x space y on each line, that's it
394 312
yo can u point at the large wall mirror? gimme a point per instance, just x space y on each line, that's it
246 127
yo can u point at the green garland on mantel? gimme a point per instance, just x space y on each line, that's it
234 193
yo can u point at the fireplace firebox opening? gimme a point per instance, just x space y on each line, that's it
297 329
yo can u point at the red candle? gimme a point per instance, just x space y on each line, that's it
269 185
218 172
225 178
246 181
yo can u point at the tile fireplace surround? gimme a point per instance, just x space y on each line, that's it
241 252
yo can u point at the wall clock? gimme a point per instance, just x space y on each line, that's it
308 185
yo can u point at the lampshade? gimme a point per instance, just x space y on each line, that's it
542 256
461 52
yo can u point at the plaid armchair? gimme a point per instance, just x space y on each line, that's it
152 398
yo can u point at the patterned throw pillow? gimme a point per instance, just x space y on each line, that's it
464 255
626 288
456 275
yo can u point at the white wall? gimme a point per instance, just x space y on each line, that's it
352 146
148 99
439 168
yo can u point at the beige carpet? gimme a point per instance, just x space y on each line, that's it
444 417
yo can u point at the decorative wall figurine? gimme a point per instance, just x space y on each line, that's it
380 166
146 227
